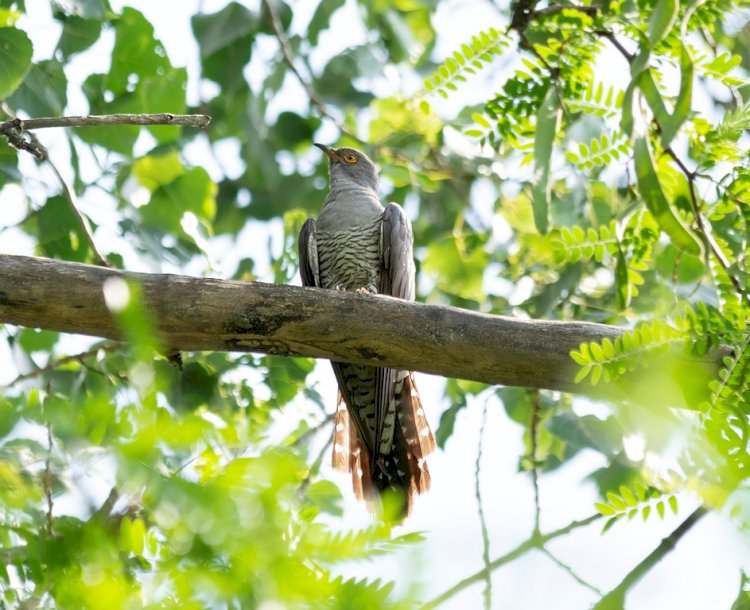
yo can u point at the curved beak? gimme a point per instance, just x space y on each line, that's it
329 151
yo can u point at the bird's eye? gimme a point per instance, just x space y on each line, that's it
350 158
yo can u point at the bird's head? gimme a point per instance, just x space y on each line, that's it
348 166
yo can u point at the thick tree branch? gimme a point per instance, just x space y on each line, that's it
210 314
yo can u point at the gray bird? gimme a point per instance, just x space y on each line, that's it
381 434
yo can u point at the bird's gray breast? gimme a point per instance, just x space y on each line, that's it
349 242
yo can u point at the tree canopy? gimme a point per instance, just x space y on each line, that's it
572 162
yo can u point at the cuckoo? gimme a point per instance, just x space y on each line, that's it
381 434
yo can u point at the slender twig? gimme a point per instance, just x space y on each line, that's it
14 129
533 425
715 248
286 51
314 468
536 541
691 176
616 597
83 221
99 120
328 419
591 11
54 364
48 475
617 44
482 520
566 568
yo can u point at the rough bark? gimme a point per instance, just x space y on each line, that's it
210 314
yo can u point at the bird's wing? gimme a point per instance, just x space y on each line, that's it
397 278
308 254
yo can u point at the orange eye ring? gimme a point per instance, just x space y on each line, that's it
350 158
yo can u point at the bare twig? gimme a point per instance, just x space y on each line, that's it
591 11
714 247
533 426
99 120
482 520
328 419
314 468
48 476
535 542
566 568
54 364
691 177
108 504
14 129
616 597
617 44
83 221
286 51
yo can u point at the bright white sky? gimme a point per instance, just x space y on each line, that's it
703 572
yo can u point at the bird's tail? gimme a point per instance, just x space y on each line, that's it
404 470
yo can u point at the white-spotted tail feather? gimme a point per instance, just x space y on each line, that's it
414 442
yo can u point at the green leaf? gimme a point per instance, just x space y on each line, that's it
622 281
651 191
37 340
293 129
671 124
59 232
193 191
587 431
610 522
43 91
153 171
604 509
78 35
628 496
616 501
232 24
88 9
458 267
137 53
195 386
650 91
679 266
15 59
626 121
326 496
547 120
447 423
662 20
321 19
